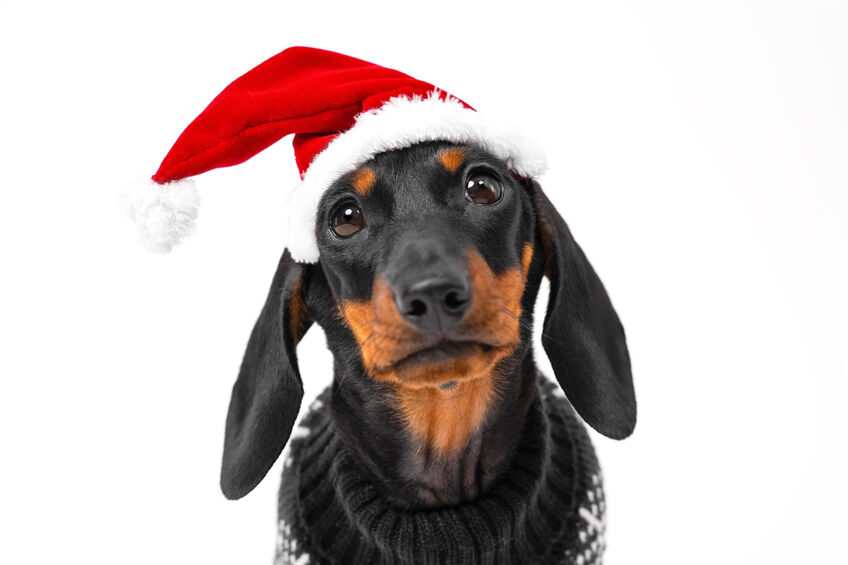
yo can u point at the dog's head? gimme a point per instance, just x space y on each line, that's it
430 261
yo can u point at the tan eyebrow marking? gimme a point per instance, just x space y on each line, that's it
452 159
364 180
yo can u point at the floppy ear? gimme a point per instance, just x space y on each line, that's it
582 335
267 394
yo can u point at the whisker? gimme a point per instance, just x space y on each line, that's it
524 324
506 310
344 376
552 338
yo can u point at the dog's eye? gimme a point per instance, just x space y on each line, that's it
347 219
483 189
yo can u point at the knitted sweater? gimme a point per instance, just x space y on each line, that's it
548 508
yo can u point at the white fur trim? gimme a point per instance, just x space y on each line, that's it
400 122
164 214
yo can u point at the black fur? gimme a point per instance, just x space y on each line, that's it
582 335
266 396
417 200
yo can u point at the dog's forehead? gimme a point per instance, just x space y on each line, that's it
423 155
414 180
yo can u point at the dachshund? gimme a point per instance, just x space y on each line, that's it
431 258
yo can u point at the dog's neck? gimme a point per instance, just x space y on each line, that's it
459 442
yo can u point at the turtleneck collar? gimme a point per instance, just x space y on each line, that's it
546 508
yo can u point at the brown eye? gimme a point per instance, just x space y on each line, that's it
482 189
347 219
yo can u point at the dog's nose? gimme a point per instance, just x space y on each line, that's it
434 304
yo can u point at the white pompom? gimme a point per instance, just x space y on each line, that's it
164 214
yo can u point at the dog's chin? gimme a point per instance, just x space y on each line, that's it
446 364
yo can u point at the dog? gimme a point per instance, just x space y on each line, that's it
438 441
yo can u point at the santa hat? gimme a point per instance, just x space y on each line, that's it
342 111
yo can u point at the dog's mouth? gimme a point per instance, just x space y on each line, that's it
441 352
444 364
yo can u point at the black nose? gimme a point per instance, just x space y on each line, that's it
434 304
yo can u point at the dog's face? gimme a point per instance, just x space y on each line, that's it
427 252
430 260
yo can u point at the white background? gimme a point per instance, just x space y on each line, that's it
698 151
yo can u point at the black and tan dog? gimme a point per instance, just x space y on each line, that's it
431 258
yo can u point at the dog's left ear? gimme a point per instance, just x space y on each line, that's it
266 396
582 335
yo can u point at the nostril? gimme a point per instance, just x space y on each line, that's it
454 301
416 308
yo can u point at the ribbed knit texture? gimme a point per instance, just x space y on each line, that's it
547 508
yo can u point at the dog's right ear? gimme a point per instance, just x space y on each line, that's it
267 394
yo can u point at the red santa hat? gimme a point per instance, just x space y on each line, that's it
342 111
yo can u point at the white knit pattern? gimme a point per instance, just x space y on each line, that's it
288 552
591 535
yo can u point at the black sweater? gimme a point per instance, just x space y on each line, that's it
547 508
